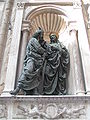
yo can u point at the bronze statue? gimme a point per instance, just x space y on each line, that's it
56 69
45 67
33 62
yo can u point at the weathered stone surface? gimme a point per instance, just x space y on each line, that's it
3 110
45 107
4 27
49 110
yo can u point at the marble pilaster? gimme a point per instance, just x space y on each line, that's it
14 51
77 75
4 28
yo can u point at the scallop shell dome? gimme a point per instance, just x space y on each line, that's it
49 22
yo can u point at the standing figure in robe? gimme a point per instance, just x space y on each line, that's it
56 68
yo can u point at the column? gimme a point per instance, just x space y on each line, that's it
4 28
25 35
77 75
14 51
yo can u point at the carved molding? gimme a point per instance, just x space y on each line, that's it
49 111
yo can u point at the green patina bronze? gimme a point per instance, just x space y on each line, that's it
45 67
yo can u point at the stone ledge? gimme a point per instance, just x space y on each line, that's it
65 98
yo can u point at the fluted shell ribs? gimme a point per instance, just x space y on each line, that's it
49 22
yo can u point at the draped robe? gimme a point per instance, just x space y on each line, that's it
33 63
45 69
56 71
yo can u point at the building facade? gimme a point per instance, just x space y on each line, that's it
71 20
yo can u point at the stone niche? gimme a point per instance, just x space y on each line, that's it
59 19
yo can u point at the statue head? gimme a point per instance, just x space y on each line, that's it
38 34
53 38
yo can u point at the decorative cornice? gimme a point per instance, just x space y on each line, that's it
54 2
55 99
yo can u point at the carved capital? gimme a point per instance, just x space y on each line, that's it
72 31
72 26
76 4
26 26
20 5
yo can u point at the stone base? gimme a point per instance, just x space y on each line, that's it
44 107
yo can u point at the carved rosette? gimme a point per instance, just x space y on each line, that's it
48 111
20 5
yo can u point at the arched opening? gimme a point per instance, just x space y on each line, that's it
50 18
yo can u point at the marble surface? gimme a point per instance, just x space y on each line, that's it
45 107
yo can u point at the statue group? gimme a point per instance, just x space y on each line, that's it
45 68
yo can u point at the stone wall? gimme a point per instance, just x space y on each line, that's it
46 107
